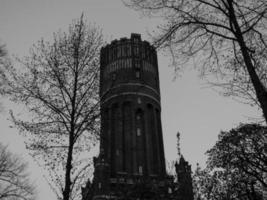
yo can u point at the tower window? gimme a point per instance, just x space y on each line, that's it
137 74
140 169
138 131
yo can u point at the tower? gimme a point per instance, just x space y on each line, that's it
184 189
131 134
131 163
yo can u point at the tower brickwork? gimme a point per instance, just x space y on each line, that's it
131 163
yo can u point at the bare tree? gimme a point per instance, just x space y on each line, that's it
3 61
14 181
3 54
58 84
226 37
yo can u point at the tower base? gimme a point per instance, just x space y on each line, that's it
135 188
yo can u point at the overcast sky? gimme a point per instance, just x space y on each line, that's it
188 105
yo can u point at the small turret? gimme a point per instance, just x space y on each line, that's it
178 146
101 174
183 172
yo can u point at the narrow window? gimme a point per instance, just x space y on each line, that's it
137 74
138 131
140 170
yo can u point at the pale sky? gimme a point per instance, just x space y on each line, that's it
188 106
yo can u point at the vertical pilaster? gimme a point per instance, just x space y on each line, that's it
113 159
152 131
149 151
119 146
161 147
127 127
144 150
134 144
157 148
105 133
109 132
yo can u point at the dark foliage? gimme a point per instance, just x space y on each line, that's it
236 166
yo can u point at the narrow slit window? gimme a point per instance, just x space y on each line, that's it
140 170
138 131
137 74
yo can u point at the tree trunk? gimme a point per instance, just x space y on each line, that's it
260 90
67 190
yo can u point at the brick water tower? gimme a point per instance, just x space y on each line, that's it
131 163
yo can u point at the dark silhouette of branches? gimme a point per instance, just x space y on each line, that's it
226 38
3 55
14 181
243 148
236 166
4 61
58 84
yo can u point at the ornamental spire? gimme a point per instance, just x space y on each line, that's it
178 146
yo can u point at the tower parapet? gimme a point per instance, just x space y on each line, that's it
127 63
